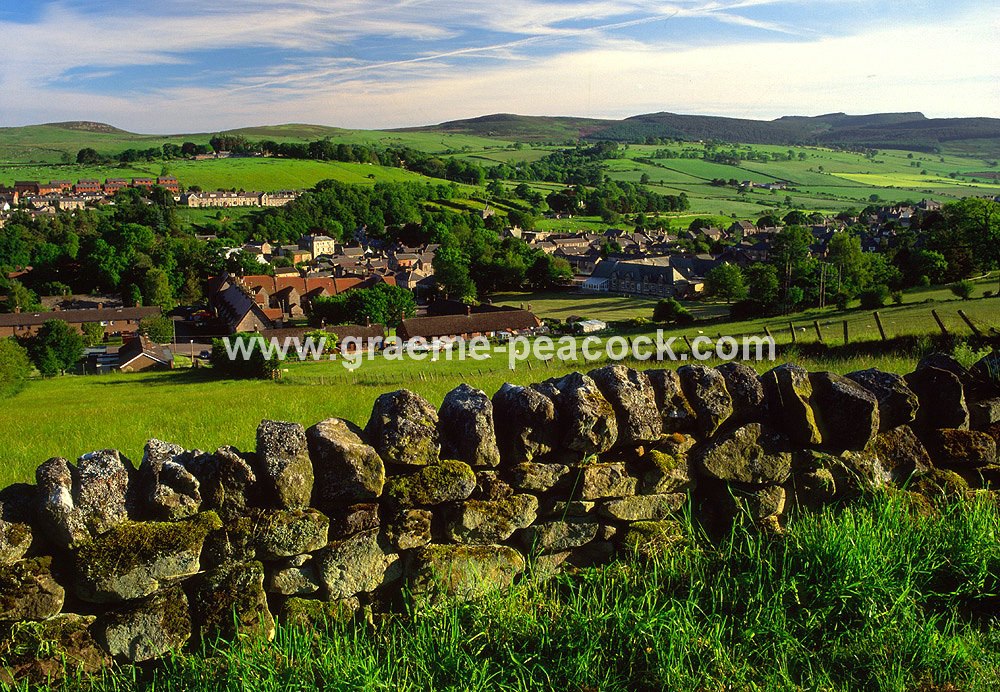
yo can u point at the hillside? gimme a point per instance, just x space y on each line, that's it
885 130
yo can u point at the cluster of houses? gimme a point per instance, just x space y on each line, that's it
39 198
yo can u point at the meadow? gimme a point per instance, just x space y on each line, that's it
883 594
71 415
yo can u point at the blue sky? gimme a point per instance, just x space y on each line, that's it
205 65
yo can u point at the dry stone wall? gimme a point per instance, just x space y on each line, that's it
114 561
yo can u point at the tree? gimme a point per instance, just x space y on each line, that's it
874 298
93 333
87 155
156 290
763 285
670 310
158 329
20 297
451 271
963 289
15 367
727 282
55 348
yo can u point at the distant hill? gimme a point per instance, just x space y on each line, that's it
885 130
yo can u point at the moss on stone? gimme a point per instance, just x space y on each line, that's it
133 544
230 600
446 481
311 613
650 539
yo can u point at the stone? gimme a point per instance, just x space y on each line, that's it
296 576
487 522
28 591
537 478
675 410
788 394
642 507
554 536
279 533
762 503
897 403
79 502
560 509
358 564
598 481
41 654
17 508
346 469
462 571
984 414
230 601
940 485
751 454
134 559
146 629
410 528
355 519
168 490
942 399
961 448
311 614
666 473
465 424
491 486
901 453
705 389
854 473
651 539
846 413
631 395
745 388
947 362
225 481
446 481
283 465
812 489
588 420
526 424
403 429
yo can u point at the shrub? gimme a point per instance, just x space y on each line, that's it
670 310
747 309
874 297
897 297
15 367
255 366
963 289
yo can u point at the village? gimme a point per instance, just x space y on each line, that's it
276 300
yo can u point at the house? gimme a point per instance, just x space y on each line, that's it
360 335
236 307
318 245
469 326
143 182
87 187
295 253
743 228
114 320
26 187
675 275
113 185
168 182
277 199
140 354
70 203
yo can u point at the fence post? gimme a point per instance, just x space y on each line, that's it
881 329
847 336
819 332
768 332
791 330
937 318
975 330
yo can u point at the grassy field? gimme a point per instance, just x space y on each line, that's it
72 415
874 596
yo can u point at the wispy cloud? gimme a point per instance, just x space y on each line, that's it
197 63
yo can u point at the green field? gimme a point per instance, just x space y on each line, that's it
71 415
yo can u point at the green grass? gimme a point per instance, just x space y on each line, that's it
876 596
564 304
72 415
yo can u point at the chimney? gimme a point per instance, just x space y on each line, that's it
468 310
368 321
